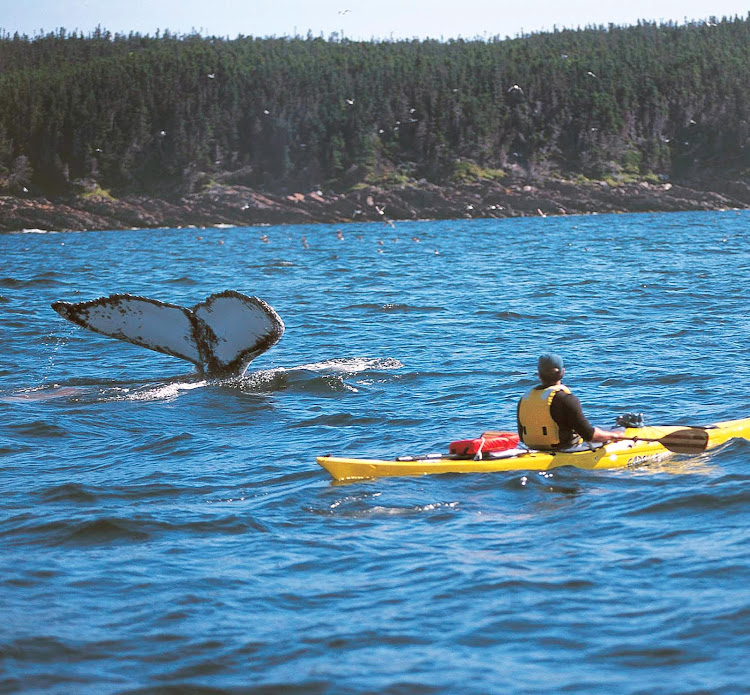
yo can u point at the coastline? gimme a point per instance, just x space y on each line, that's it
242 206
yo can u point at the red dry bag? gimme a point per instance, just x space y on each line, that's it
489 441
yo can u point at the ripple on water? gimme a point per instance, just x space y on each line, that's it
397 308
173 533
38 429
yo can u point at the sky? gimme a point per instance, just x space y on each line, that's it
355 19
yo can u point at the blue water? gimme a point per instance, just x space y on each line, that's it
163 533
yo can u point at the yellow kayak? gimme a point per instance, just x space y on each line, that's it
621 454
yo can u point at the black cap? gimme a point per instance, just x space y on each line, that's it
551 367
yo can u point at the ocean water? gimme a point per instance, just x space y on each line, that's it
165 533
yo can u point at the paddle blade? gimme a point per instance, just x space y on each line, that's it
687 441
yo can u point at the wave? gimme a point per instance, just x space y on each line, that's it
42 393
360 506
38 428
295 380
159 392
508 315
353 365
175 445
69 492
338 420
32 230
78 531
108 530
88 391
46 279
684 504
327 376
403 308
182 281
78 493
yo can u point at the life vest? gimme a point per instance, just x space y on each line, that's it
538 429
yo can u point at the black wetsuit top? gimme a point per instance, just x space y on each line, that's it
567 412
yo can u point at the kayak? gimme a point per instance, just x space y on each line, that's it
620 454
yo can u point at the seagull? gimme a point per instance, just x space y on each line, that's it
350 101
590 74
515 88
344 11
211 75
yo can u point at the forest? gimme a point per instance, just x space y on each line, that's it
167 114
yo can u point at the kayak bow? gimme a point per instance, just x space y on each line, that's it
647 444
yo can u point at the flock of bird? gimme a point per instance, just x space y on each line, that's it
339 235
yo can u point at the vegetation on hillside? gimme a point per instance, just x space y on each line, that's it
171 113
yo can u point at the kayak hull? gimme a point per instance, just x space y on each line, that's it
623 454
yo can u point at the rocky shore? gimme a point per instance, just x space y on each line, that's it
242 206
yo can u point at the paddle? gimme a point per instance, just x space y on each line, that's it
687 441
693 440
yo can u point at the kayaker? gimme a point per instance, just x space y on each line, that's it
550 417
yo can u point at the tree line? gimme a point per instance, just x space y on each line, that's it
161 114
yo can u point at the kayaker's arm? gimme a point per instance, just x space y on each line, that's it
601 435
572 415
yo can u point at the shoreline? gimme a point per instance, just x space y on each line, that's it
239 206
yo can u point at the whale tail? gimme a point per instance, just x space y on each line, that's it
221 335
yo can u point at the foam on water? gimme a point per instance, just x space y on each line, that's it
352 365
162 392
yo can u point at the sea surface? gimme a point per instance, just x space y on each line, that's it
161 532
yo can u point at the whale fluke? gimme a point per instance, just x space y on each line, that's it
221 335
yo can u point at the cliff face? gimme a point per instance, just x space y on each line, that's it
242 206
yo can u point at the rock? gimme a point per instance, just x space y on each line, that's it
243 206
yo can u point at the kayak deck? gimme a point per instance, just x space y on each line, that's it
622 454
